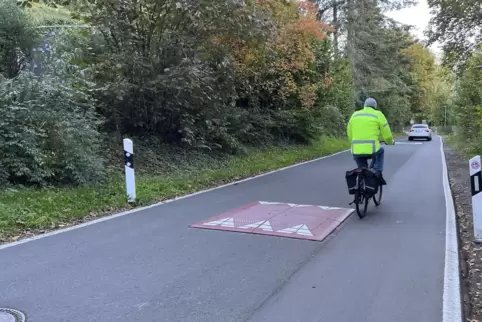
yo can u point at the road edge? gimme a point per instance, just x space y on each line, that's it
452 305
128 212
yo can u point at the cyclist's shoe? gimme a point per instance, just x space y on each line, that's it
381 179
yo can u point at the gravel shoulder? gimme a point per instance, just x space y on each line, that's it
471 253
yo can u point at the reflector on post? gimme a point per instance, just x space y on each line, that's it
129 170
475 187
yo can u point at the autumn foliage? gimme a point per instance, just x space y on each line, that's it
289 53
211 75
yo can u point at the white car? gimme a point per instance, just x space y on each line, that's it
420 131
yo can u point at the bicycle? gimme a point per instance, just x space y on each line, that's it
361 198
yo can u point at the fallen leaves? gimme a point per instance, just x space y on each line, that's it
470 251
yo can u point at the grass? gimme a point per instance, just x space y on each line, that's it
467 149
41 14
27 211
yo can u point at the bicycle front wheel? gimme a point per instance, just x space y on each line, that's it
377 198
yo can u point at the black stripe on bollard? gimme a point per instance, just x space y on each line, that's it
129 159
475 181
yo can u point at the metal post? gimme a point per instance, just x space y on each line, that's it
475 182
129 170
445 116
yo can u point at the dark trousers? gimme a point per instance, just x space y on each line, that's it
377 160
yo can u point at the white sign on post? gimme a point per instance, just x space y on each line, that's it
475 185
129 169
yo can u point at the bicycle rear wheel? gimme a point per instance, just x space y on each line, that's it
377 198
361 204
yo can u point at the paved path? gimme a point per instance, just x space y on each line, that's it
149 266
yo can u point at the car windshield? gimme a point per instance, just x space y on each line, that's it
421 126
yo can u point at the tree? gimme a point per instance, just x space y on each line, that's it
51 3
207 74
365 30
160 70
457 25
16 39
379 67
422 80
441 112
468 101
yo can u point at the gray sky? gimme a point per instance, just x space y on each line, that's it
419 16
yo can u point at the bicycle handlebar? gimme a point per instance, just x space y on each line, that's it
386 142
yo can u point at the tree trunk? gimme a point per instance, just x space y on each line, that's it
350 39
336 25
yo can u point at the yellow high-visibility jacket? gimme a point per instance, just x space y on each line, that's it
364 130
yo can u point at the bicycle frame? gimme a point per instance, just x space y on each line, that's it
360 198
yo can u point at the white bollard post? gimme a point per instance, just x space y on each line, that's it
129 169
475 185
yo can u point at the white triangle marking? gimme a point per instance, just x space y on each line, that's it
266 226
290 230
216 222
226 222
280 203
255 225
304 231
328 208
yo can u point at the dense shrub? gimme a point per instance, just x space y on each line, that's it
47 133
465 111
49 128
16 38
468 105
213 75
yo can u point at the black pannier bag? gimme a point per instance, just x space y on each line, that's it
371 182
351 181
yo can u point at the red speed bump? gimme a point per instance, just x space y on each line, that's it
280 219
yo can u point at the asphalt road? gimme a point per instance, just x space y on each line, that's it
149 266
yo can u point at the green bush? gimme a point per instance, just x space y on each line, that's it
468 103
16 39
332 122
48 132
179 78
49 127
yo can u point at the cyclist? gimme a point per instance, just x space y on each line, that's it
364 130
